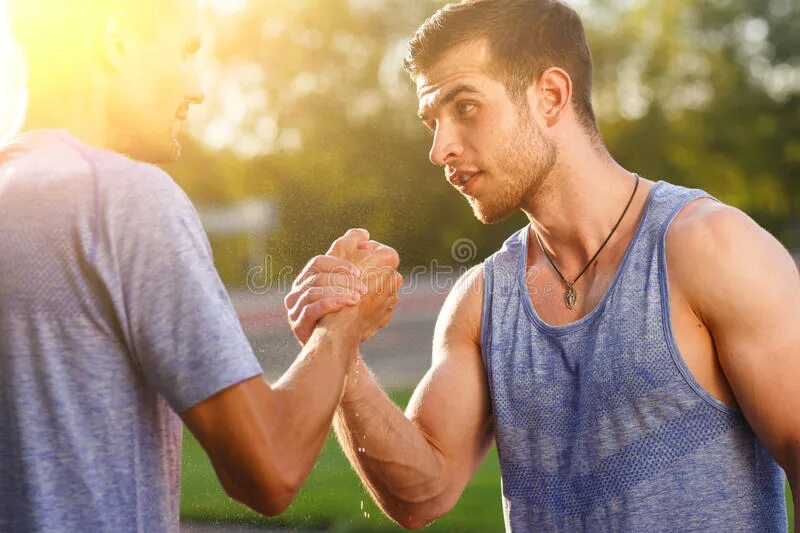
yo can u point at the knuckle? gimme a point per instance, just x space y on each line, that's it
316 264
302 319
394 257
389 255
307 314
302 302
315 291
358 233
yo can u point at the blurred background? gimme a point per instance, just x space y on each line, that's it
310 115
310 128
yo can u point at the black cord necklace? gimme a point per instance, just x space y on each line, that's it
570 295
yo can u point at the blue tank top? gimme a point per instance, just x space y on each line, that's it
599 424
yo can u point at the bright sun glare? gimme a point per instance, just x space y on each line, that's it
12 80
225 7
13 74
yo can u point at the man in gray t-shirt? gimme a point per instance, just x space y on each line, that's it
113 320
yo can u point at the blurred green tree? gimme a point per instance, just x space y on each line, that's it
309 106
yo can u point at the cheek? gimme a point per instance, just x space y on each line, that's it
160 73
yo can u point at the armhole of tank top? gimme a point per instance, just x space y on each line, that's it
666 314
486 316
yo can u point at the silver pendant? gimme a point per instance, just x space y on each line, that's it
570 298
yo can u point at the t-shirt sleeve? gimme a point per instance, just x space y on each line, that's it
173 310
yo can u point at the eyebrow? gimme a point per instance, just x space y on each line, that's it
448 97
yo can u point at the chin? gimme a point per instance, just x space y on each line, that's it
491 214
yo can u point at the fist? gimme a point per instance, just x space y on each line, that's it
357 276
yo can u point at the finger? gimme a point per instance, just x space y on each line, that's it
380 256
343 281
313 270
315 294
390 282
302 299
390 256
313 313
368 245
359 234
349 241
327 263
397 281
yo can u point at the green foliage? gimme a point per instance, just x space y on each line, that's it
333 498
703 93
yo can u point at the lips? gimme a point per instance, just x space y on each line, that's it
463 179
461 176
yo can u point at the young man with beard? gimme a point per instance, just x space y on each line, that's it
633 351
113 318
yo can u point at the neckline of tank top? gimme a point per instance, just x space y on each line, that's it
585 320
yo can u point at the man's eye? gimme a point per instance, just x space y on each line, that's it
464 108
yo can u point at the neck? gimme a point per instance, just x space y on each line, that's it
74 110
577 206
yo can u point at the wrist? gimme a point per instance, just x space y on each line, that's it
358 375
342 330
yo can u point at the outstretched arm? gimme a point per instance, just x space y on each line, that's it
417 464
262 440
745 287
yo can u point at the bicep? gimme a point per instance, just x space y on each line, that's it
758 344
751 305
451 405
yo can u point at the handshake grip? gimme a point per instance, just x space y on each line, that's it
357 277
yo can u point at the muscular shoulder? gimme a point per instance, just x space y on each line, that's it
124 178
460 317
717 255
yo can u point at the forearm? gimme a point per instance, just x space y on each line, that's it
400 466
306 396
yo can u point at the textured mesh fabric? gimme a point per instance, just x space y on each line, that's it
599 424
112 320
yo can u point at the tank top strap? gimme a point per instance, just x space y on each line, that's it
665 203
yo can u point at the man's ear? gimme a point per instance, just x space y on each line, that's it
550 95
113 42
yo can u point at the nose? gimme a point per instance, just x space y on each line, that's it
445 147
196 98
194 90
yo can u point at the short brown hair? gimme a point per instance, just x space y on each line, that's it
526 37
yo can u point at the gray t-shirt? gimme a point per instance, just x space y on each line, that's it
112 320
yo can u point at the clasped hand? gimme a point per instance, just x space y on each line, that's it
356 276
